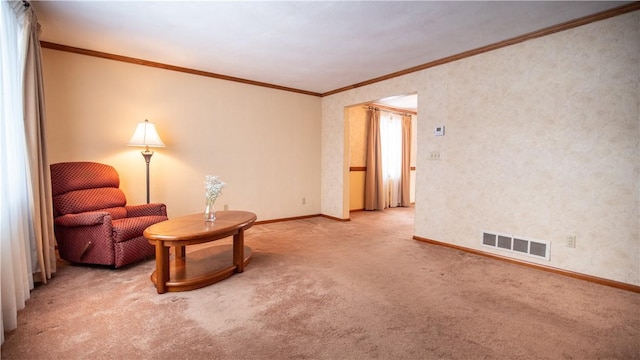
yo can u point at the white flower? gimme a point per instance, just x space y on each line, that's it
213 186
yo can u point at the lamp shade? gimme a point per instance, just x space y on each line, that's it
146 135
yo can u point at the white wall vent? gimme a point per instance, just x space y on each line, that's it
517 244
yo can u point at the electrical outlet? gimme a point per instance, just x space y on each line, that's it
434 155
571 241
226 207
304 201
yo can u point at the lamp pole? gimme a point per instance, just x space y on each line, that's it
147 158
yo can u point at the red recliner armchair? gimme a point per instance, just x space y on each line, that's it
92 223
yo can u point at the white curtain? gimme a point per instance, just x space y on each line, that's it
25 224
391 143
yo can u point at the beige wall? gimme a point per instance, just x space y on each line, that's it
263 143
357 118
541 142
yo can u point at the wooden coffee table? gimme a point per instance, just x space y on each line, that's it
207 265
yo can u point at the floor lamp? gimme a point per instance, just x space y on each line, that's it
147 136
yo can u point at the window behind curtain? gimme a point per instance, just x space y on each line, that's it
391 146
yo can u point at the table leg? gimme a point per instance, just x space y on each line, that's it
238 251
162 267
179 252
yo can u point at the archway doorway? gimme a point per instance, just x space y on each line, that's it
355 144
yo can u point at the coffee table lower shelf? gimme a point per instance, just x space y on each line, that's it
205 267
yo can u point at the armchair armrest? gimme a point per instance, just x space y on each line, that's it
83 219
155 209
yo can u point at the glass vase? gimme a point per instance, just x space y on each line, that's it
210 211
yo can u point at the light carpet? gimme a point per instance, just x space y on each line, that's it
323 289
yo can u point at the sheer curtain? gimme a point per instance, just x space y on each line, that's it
26 232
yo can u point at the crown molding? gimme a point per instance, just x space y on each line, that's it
131 60
532 35
518 39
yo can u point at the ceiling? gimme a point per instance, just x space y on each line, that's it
405 102
314 46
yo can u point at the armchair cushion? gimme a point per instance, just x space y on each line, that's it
72 176
79 201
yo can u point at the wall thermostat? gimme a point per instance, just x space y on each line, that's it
439 131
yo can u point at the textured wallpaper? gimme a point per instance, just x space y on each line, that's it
542 141
357 117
